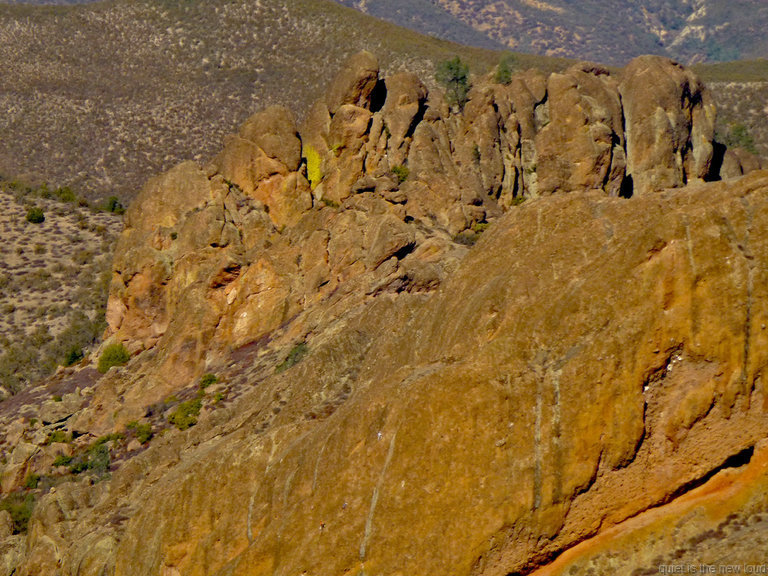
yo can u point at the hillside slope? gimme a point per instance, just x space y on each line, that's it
133 88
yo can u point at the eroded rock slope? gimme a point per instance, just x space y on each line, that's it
416 372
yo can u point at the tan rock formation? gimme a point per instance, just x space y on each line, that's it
669 124
399 391
469 439
582 146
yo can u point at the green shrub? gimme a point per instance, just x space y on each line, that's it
73 356
453 74
62 460
480 227
20 507
108 438
401 172
207 380
294 357
58 437
31 481
113 355
186 413
65 194
35 215
504 69
80 332
314 166
96 459
142 431
112 204
738 136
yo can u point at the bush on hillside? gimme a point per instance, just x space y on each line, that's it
504 69
113 355
35 215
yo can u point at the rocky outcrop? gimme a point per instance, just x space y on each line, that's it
382 148
582 146
670 123
534 402
414 373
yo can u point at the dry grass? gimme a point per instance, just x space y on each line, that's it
53 283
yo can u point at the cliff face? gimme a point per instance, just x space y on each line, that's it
253 240
417 375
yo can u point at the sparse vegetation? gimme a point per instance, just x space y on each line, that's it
466 237
208 380
73 356
185 415
96 459
295 356
113 355
62 460
35 215
53 309
113 204
169 86
479 227
401 172
453 74
58 437
505 68
142 431
738 136
20 507
31 481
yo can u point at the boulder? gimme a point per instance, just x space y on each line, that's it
582 146
354 83
669 119
403 110
263 161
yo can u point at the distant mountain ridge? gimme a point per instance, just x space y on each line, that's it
597 30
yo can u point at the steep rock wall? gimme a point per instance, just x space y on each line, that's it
382 169
590 358
419 375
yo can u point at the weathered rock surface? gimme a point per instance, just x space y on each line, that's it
670 123
223 244
582 146
565 379
415 375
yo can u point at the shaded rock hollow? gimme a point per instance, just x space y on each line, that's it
461 408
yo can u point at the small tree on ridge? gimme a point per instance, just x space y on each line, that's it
454 75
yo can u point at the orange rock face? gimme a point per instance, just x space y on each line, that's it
589 360
418 376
